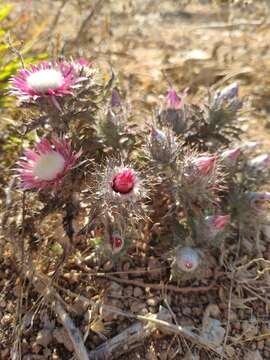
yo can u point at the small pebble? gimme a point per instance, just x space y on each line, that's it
138 292
153 301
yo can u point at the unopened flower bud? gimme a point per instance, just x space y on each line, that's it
157 135
230 156
187 259
258 199
115 99
124 181
216 223
173 101
205 164
117 243
249 146
260 162
229 92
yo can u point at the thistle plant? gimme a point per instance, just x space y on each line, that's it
185 171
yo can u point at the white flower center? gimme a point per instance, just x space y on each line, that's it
44 80
48 166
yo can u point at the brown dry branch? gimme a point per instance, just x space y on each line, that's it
73 332
163 286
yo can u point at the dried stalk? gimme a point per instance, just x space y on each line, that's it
183 290
73 332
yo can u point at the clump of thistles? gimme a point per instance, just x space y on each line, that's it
46 165
47 79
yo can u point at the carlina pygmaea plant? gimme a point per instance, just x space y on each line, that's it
46 165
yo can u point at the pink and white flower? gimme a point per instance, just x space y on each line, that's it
46 79
47 164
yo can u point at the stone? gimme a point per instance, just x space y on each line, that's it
44 337
138 292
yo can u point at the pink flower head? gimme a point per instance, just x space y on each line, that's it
117 243
187 259
124 181
205 164
230 156
45 80
174 101
47 164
